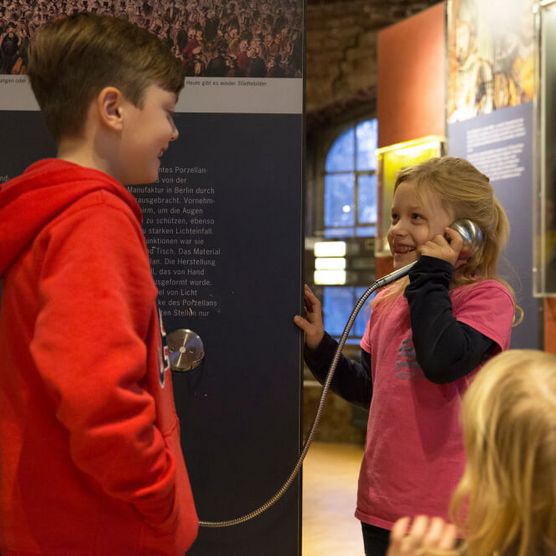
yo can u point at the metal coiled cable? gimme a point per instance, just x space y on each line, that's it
282 490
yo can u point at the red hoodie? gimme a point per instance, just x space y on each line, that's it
90 458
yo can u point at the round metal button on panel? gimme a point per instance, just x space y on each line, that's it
186 350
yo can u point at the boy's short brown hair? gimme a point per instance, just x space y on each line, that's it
73 58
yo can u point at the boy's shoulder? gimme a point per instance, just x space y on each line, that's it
34 205
51 189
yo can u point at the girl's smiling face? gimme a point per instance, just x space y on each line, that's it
417 216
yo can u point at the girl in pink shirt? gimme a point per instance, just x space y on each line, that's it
428 333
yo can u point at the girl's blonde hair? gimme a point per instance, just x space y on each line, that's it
506 500
467 193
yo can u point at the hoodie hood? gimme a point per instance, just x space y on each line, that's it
45 189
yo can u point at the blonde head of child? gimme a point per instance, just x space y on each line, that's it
505 503
507 496
427 199
464 192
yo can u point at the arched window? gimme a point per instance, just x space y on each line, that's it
350 200
350 211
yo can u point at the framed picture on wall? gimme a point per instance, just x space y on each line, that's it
545 200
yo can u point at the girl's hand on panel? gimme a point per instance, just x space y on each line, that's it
312 323
425 535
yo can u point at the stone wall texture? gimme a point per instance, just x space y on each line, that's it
341 39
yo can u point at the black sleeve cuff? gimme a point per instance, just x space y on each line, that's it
429 268
352 379
319 359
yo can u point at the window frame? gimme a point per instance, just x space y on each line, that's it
356 173
319 144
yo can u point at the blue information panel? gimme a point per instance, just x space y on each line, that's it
223 227
491 87
500 145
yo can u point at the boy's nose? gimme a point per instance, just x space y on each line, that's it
175 132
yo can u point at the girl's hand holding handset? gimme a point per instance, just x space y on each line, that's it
446 247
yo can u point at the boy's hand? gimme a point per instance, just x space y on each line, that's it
446 247
425 533
312 325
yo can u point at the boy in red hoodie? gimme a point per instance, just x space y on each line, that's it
90 459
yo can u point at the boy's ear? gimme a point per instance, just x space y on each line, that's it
109 107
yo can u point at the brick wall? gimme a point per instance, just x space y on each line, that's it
341 51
